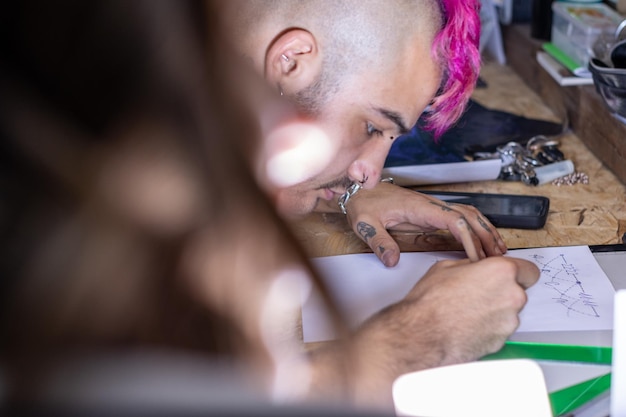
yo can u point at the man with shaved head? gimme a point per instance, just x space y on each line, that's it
366 71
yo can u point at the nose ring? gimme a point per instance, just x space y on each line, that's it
352 190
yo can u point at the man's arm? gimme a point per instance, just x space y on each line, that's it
458 312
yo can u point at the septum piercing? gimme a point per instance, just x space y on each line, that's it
352 190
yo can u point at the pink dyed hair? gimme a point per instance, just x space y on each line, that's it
456 48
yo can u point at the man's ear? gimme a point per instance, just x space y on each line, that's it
293 61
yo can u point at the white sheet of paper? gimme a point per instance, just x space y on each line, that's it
573 293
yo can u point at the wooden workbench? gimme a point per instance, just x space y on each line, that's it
579 214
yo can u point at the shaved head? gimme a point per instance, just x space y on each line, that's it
354 35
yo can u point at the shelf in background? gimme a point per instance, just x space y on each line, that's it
602 132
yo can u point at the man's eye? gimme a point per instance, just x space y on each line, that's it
371 130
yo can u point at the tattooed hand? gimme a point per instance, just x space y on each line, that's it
372 212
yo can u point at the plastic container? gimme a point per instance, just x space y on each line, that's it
577 26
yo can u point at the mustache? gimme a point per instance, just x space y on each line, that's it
344 182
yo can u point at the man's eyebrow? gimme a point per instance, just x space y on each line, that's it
396 118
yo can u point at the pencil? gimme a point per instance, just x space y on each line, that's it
467 241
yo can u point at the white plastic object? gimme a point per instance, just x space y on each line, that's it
494 388
550 172
618 375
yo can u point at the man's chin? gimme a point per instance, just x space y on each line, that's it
295 207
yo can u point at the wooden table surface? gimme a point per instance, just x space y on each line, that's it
580 214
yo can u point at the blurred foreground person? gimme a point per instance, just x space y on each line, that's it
143 262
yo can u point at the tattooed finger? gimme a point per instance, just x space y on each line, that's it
366 231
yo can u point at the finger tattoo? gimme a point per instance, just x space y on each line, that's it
483 223
366 231
444 207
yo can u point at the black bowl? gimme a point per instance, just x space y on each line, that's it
614 97
602 73
610 81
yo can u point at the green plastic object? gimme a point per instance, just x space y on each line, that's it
567 399
561 56
570 398
554 352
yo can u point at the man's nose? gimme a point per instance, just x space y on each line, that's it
367 167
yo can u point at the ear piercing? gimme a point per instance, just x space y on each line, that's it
364 180
280 89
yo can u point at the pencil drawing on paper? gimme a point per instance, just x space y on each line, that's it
564 280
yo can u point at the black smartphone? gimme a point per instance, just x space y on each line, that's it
502 210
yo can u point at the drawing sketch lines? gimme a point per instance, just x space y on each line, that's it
564 279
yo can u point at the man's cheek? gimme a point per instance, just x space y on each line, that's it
292 204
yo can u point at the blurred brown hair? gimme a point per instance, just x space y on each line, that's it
84 85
